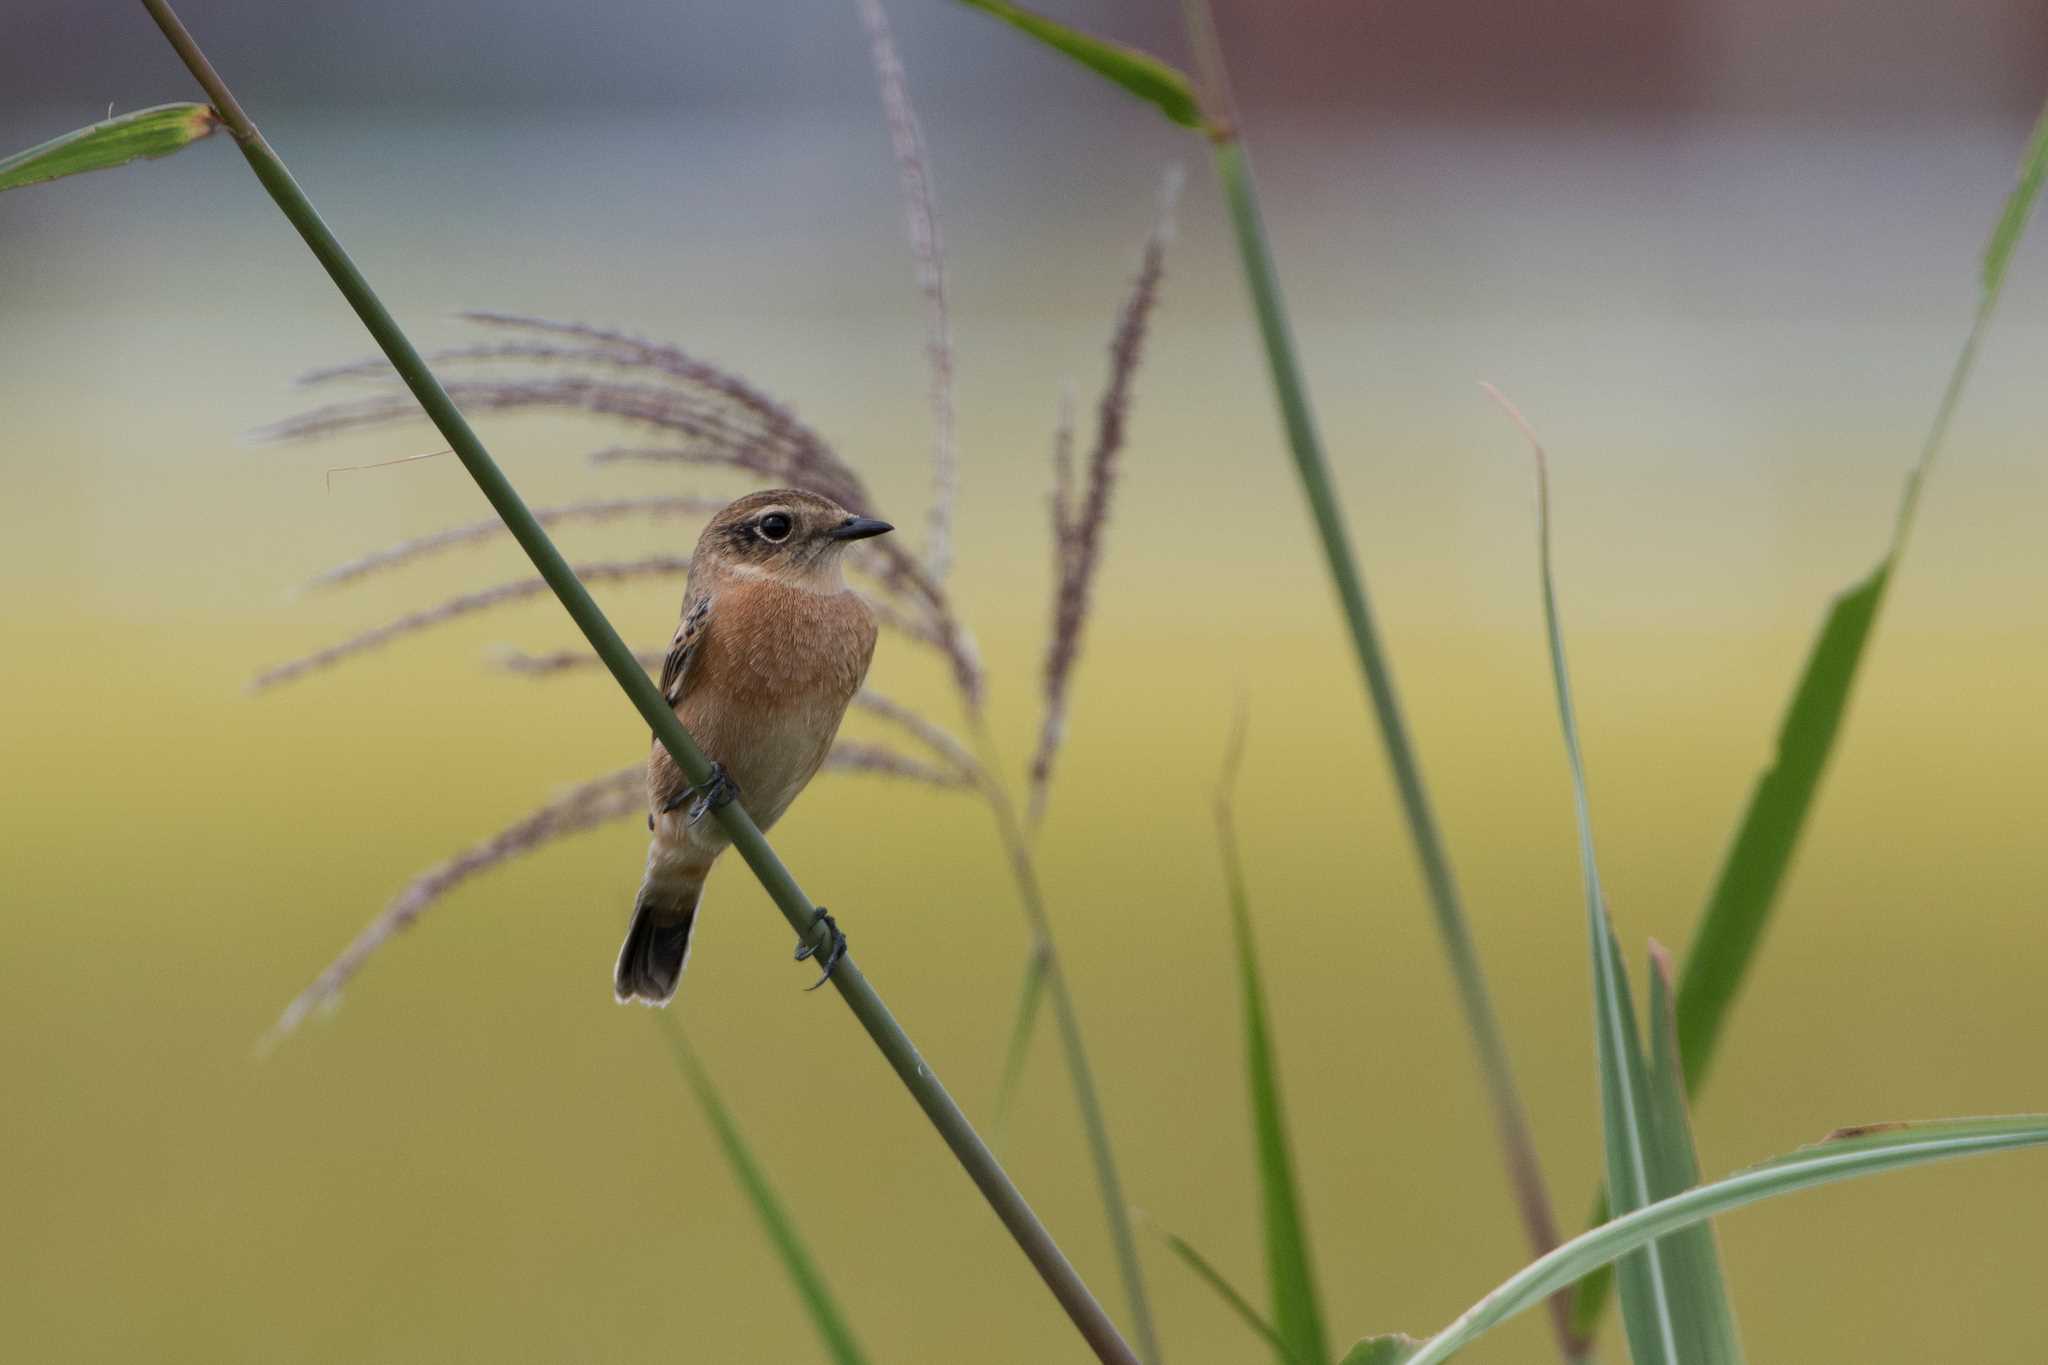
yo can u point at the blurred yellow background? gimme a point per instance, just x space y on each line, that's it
1730 324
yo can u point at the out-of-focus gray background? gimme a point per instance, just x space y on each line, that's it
1722 254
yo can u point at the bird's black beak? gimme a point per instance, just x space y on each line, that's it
859 528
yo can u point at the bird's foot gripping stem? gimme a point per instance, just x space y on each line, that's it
833 953
718 790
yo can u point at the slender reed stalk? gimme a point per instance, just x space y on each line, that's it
1047 974
797 907
1290 388
1079 526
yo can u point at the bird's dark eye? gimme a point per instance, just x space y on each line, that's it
775 526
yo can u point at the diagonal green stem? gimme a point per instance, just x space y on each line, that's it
798 908
1290 389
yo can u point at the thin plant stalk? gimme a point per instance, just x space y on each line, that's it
802 913
804 1275
1290 388
1051 982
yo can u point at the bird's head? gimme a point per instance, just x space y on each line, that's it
785 533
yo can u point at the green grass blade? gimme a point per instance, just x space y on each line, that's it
1848 1155
1142 74
1673 1300
775 1221
1706 1319
1296 1309
2019 206
1453 930
1240 1305
1029 998
112 142
1739 909
1628 1129
1386 1350
1753 872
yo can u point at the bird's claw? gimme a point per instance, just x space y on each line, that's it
717 790
833 953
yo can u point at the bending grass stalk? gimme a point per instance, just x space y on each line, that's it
798 908
1290 388
775 1220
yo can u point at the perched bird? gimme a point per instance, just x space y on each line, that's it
771 648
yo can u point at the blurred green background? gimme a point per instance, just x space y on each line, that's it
1721 253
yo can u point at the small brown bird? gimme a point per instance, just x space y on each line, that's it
772 647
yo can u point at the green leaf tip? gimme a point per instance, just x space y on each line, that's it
1139 72
2019 206
1235 1301
146 133
1386 1350
1297 1310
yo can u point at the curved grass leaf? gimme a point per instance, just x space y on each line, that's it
1239 1305
1140 73
1753 872
775 1221
1296 1312
112 142
1672 1299
1847 1154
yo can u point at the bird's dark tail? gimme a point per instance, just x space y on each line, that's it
658 944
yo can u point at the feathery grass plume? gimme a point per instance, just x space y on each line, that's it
514 660
859 756
614 796
1044 981
469 603
1078 530
610 797
928 251
715 435
728 415
724 420
475 532
933 737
